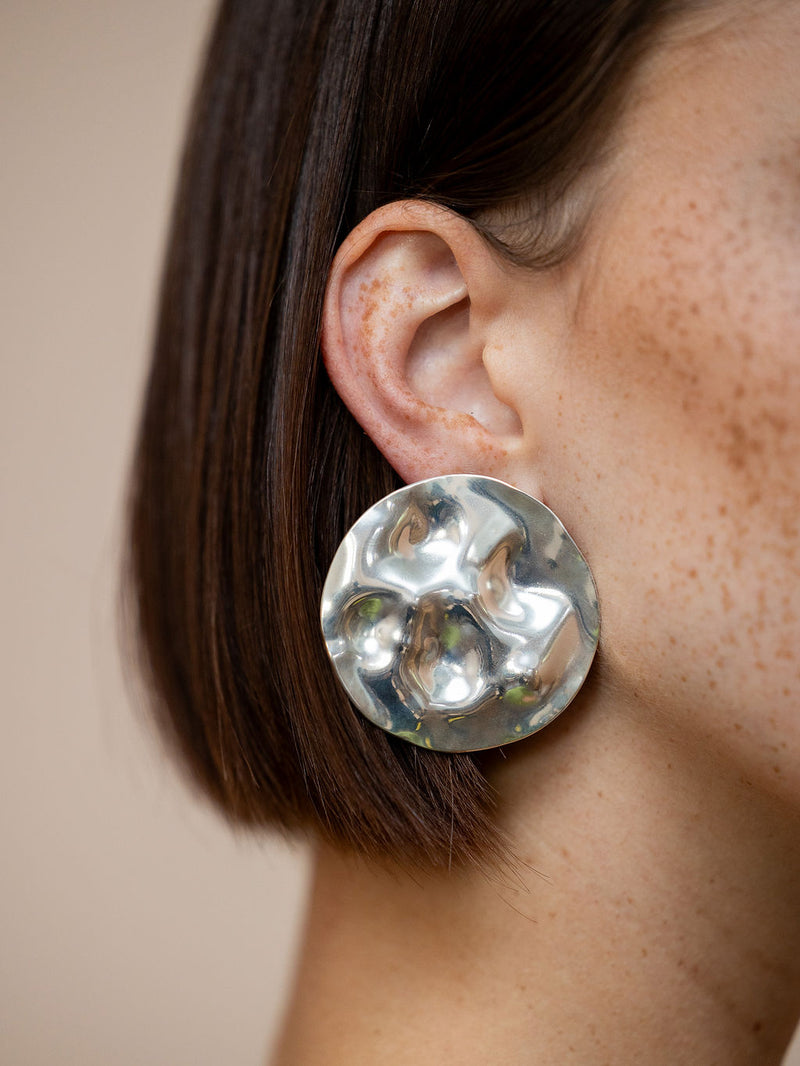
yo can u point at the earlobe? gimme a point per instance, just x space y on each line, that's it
414 301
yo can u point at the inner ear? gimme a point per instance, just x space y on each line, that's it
445 369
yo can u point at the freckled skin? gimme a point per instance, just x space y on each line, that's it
683 385
397 301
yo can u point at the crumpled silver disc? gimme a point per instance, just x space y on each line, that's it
459 614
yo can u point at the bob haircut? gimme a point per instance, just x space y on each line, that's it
248 469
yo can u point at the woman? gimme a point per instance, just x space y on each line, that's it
552 243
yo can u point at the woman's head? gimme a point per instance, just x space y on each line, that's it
489 179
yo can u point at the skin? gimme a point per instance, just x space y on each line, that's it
648 391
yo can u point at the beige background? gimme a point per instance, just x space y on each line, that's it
133 929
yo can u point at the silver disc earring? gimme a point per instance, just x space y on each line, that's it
459 614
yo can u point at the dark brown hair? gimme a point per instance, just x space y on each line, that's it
248 469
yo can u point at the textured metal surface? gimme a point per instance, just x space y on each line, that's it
459 614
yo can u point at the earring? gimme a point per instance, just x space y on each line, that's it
459 614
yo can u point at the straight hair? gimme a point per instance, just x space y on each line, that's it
248 470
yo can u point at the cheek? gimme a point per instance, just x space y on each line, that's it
684 393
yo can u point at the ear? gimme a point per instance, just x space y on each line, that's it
418 340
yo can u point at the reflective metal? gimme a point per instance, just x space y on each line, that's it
459 614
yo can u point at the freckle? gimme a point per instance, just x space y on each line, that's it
644 953
737 726
778 423
672 640
776 769
737 447
693 573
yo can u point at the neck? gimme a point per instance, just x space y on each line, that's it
652 918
